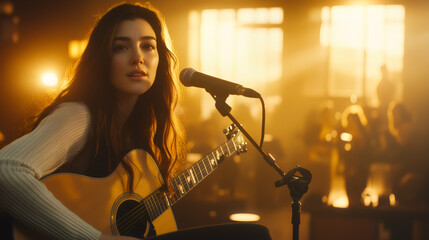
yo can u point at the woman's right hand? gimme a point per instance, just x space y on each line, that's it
111 237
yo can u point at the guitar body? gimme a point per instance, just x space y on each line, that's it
105 202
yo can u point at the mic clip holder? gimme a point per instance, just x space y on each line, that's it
298 184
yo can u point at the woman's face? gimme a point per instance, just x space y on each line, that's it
134 58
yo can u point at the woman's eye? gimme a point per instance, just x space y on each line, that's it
119 48
148 47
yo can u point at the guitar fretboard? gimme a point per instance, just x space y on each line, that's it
158 201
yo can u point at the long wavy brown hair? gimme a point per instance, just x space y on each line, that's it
152 125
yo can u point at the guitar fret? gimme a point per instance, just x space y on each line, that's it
165 201
234 146
177 186
173 183
220 147
205 168
153 204
227 148
198 171
217 155
213 161
160 202
201 170
185 183
191 176
207 165
174 197
158 207
188 178
149 207
181 188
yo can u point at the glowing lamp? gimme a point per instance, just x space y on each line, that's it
50 79
244 217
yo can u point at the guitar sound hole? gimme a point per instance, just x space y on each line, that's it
133 220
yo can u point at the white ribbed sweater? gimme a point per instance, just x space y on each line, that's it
58 138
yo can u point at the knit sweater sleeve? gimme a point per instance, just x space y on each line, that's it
57 139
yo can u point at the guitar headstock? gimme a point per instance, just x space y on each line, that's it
234 134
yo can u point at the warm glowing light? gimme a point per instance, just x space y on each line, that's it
6 8
275 15
50 79
347 147
76 48
360 39
337 193
370 197
243 46
353 98
260 16
268 138
346 137
328 137
193 157
392 199
341 202
379 186
244 217
194 38
353 109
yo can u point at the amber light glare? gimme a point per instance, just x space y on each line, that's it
50 79
244 217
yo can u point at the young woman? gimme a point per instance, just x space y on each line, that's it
121 96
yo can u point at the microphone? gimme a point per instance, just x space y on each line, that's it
191 78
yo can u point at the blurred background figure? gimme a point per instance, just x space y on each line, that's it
355 152
320 133
411 167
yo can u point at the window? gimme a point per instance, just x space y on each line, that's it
240 45
359 40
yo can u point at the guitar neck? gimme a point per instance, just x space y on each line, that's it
158 201
192 176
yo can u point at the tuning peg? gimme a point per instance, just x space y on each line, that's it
242 148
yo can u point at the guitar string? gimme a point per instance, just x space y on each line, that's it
131 222
129 219
133 214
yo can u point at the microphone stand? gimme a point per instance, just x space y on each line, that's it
298 184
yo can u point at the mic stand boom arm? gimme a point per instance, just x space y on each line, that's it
298 184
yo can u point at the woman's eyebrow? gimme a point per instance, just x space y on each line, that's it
129 39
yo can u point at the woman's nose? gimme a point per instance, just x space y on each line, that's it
137 58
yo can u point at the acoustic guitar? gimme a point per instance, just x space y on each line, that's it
106 204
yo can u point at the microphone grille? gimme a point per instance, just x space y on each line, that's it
185 76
